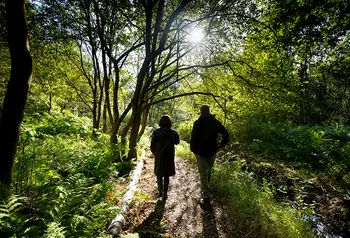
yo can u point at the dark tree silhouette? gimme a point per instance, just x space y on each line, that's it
17 88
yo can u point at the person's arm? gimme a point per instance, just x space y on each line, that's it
153 142
176 138
225 135
193 142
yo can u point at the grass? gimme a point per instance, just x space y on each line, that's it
183 151
251 209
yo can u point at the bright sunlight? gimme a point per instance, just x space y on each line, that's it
196 35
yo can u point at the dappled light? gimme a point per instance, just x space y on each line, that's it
244 105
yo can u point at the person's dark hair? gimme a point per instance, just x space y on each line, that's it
165 122
205 110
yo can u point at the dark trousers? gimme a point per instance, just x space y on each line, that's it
163 184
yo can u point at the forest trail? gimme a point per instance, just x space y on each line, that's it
181 215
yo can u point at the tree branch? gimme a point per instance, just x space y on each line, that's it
177 96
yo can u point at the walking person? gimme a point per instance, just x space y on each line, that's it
204 145
162 146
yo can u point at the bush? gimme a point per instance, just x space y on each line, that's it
185 130
318 148
64 124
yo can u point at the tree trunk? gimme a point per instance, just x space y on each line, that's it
117 120
125 130
115 94
94 114
135 125
17 88
116 125
104 118
144 120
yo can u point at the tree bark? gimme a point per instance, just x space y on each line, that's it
17 88
135 125
144 120
104 118
125 130
116 125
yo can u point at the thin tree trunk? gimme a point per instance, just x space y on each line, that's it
115 94
94 114
135 125
99 103
144 120
125 131
106 80
116 125
104 118
108 101
17 88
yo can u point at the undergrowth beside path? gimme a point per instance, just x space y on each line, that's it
66 183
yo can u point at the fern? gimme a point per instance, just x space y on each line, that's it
70 197
54 230
11 220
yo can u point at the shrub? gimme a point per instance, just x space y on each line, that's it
317 148
185 130
64 124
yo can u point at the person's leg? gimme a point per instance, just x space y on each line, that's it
166 187
210 164
204 173
160 185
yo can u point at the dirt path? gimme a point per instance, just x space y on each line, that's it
181 215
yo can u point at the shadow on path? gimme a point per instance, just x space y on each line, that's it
209 225
180 216
153 225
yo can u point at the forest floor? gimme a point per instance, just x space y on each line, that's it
181 216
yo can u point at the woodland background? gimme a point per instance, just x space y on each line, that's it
101 73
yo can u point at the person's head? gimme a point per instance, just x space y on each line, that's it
205 110
165 122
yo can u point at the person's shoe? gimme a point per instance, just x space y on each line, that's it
205 205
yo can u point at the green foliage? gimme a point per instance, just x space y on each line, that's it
316 148
67 176
11 221
183 151
252 210
67 123
54 230
185 130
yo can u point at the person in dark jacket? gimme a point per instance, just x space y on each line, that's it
204 145
162 146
